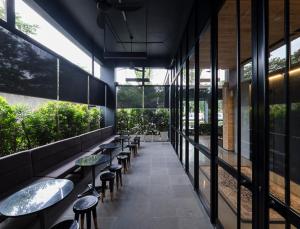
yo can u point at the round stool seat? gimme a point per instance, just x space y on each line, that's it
67 224
115 167
122 157
85 204
107 176
127 153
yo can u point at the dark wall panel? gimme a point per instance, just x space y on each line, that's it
26 69
97 92
73 83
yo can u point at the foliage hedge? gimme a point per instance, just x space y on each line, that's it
142 121
21 128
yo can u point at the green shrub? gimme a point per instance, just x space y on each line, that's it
142 121
8 128
22 129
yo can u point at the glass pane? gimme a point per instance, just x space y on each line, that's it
129 97
127 76
97 69
34 25
246 79
205 89
191 160
246 208
204 177
276 220
184 100
183 151
227 81
227 199
191 95
3 10
156 76
295 105
277 98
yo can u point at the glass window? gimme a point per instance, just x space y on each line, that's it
191 95
3 10
205 89
156 76
34 25
97 69
245 87
128 76
227 70
277 106
294 85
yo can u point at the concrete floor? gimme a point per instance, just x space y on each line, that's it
156 194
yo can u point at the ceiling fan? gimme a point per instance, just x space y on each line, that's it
104 6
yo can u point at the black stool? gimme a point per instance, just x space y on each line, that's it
137 140
66 224
128 154
133 148
110 177
122 160
85 206
117 169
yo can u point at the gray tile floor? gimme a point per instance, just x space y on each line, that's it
156 193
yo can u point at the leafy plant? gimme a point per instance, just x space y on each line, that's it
21 128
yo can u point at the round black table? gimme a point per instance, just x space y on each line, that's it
36 198
92 161
109 147
122 138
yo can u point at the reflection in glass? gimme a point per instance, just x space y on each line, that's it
245 87
184 102
277 108
227 83
191 160
191 96
204 177
294 85
227 199
205 89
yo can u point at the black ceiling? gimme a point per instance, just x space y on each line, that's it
166 20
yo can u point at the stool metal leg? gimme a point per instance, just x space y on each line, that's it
88 220
94 212
111 187
82 221
77 217
120 174
103 190
117 180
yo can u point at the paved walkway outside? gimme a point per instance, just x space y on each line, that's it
156 194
